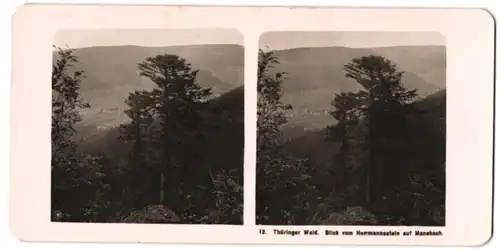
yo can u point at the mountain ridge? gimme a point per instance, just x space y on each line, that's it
315 75
111 73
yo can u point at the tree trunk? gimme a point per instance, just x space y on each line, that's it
162 188
344 151
371 181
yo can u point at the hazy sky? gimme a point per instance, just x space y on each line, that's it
297 39
143 37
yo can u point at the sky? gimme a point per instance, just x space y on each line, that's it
297 39
272 40
147 38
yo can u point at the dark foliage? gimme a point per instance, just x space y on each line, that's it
282 190
388 167
170 172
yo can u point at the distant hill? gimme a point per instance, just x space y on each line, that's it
225 131
111 73
316 74
427 125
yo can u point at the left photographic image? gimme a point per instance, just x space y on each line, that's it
148 126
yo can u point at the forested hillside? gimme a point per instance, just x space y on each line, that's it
381 161
315 74
176 158
111 73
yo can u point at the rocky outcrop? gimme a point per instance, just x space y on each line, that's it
351 216
153 214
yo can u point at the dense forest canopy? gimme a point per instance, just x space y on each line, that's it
162 166
381 162
177 157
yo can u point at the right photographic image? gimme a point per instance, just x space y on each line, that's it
351 128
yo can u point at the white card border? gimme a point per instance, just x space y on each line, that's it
470 53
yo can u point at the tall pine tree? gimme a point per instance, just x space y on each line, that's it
383 103
172 112
141 189
347 111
